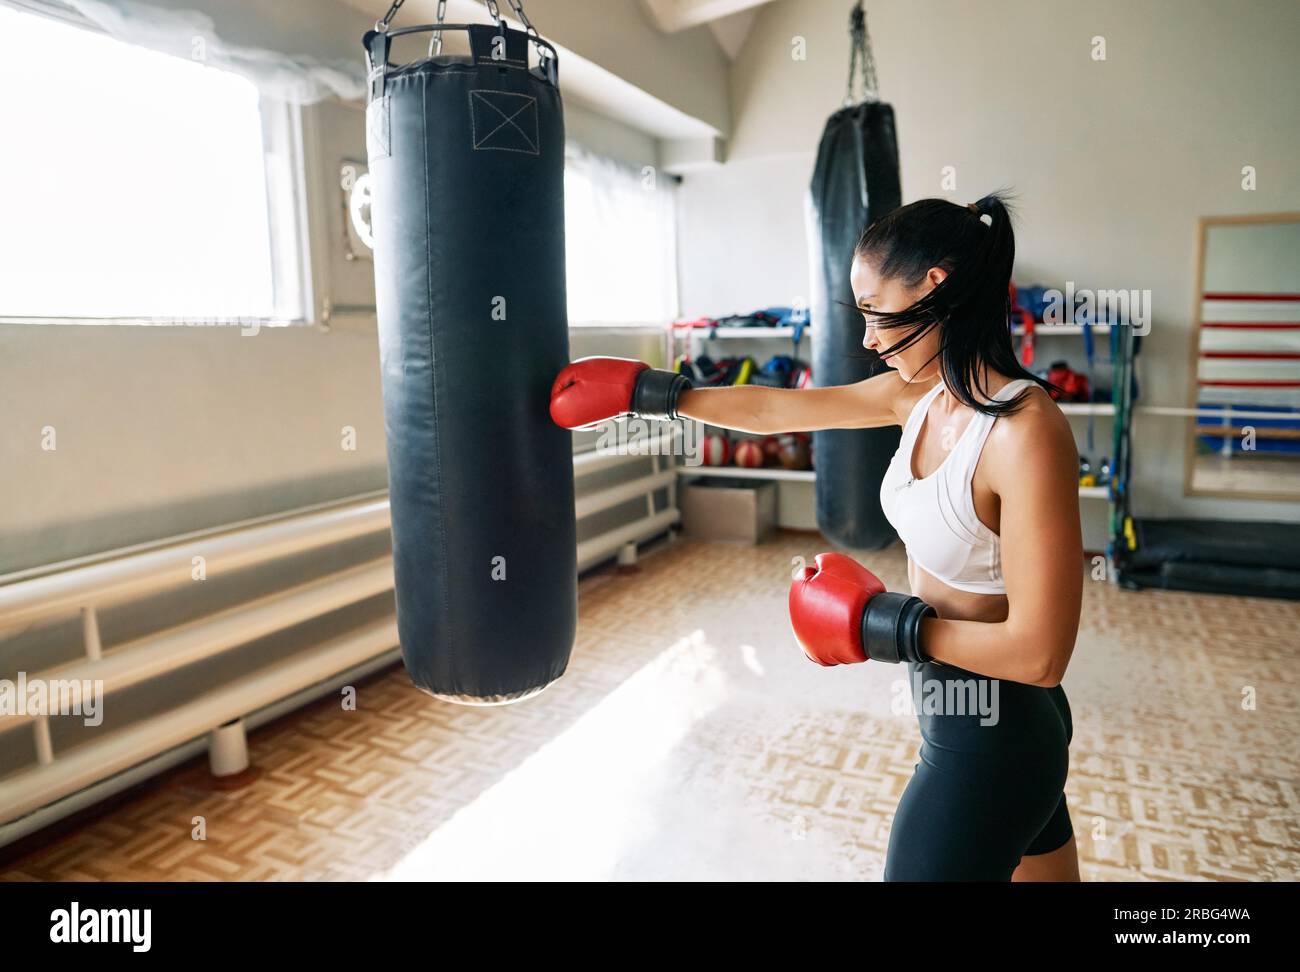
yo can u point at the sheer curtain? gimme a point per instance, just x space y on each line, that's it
291 78
620 241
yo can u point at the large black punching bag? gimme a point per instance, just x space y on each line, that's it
466 159
854 183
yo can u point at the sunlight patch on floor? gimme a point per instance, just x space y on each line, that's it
585 799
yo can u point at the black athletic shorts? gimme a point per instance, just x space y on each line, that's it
989 787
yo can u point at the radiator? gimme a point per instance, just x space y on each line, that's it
60 783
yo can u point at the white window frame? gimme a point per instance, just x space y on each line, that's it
289 215
289 212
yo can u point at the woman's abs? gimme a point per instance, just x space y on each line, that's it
952 603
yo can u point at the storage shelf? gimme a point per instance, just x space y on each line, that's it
740 472
738 332
808 476
1047 330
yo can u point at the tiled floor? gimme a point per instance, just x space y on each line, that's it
690 739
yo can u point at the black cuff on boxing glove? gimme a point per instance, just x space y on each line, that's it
656 392
891 627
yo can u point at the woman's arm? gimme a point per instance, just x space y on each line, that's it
866 404
1034 472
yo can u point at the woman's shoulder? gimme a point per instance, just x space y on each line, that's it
1036 403
1037 428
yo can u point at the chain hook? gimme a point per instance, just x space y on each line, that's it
861 60
435 42
382 25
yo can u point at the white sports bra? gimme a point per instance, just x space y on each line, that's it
935 515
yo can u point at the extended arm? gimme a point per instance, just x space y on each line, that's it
752 408
593 390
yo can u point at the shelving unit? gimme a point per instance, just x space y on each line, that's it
740 472
1050 330
689 337
1086 408
724 333
693 336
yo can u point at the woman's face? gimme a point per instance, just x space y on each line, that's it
919 361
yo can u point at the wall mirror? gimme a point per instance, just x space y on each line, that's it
1244 441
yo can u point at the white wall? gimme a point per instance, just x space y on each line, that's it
164 430
1113 162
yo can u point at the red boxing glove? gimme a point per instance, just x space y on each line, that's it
590 391
827 604
594 390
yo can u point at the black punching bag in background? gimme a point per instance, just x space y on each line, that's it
467 168
855 183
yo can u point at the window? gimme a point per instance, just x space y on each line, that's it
140 186
619 238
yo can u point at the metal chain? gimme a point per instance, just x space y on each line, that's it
544 60
861 59
382 25
518 7
435 42
515 5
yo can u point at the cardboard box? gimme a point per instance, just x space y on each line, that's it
735 510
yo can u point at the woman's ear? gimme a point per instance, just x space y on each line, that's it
936 276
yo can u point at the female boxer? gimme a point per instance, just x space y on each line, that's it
983 492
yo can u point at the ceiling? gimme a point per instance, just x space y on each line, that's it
603 90
728 20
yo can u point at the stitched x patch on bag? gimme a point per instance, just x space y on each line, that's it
504 121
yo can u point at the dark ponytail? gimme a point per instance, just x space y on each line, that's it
971 307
